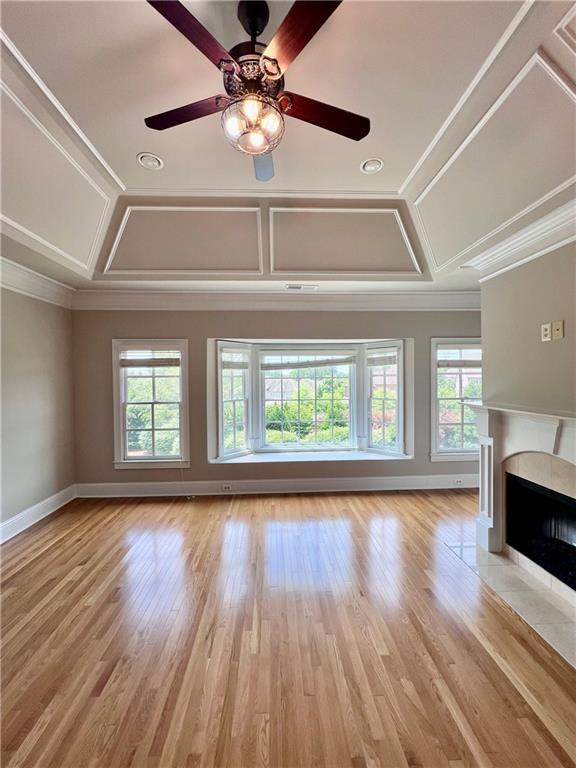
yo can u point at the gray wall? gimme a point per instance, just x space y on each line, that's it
37 401
519 370
93 334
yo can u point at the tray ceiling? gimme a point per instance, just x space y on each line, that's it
472 107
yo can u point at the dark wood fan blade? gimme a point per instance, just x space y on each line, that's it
326 116
174 12
186 113
264 167
302 22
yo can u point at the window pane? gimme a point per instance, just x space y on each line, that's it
469 417
138 417
139 371
471 386
167 443
166 416
167 389
138 389
450 438
448 385
449 411
238 387
470 437
290 389
228 433
390 435
139 443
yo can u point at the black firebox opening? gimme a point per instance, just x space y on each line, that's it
541 524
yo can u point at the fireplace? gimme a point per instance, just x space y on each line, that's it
541 524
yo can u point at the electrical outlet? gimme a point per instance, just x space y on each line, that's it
458 481
226 487
546 332
558 329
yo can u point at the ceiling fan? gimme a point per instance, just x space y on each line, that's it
255 102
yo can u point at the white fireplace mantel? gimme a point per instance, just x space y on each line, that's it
504 432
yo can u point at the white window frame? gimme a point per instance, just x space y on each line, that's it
436 453
400 449
121 461
234 346
262 447
359 399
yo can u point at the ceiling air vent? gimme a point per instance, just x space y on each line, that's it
301 287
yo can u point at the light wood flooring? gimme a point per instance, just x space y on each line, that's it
293 631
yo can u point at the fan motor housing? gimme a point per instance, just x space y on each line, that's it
250 78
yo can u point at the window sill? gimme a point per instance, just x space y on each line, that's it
294 456
153 464
471 456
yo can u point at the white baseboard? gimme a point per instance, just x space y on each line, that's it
28 517
33 514
296 485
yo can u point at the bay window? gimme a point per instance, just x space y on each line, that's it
288 397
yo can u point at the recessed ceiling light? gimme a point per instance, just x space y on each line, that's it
150 162
372 165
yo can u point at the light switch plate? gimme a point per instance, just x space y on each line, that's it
546 332
558 329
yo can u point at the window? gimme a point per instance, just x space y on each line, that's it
384 397
150 398
309 396
306 399
456 381
234 380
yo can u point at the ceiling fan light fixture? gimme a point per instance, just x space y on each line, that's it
253 124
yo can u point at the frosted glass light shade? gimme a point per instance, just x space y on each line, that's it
253 124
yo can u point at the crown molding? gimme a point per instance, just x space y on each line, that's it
35 77
439 301
15 277
547 234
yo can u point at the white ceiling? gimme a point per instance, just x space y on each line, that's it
477 144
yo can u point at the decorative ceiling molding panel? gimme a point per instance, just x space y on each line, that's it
48 200
35 77
340 241
517 158
187 240
486 64
566 30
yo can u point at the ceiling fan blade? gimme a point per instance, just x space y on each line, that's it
264 167
326 116
302 22
174 12
186 113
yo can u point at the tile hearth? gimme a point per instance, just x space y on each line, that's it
548 613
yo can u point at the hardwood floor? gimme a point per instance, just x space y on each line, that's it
327 630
